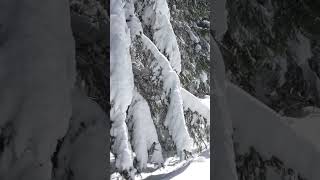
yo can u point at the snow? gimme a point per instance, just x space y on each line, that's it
203 76
254 122
83 147
158 16
144 131
193 37
121 81
174 120
202 106
194 168
198 48
308 126
282 62
121 76
301 48
133 21
36 75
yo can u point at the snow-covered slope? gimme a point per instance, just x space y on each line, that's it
259 127
308 126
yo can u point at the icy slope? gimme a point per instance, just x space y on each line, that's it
258 126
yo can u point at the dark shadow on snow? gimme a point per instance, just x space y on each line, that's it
169 175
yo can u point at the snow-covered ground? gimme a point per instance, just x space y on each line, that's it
197 167
308 126
297 145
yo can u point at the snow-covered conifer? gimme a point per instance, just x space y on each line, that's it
121 83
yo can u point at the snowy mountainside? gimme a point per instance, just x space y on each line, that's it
144 42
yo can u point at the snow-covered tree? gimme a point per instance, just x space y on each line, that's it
144 136
121 83
155 115
270 50
156 16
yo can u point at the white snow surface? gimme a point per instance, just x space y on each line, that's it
134 23
144 131
308 126
202 106
197 167
121 81
121 76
